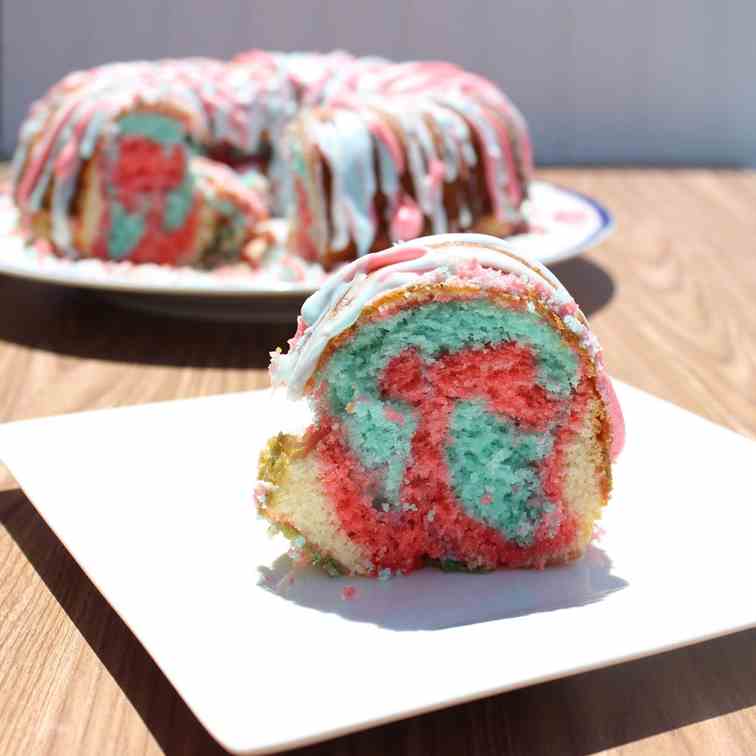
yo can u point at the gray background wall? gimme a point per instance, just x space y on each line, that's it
609 81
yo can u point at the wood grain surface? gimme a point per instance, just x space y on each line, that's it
672 297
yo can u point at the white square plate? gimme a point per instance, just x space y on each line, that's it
155 503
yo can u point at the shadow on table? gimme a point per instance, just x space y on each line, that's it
590 285
80 324
433 600
580 714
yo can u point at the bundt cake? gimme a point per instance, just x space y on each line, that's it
178 161
462 415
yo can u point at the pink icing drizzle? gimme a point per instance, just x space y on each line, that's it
616 418
392 257
407 222
382 132
436 174
301 328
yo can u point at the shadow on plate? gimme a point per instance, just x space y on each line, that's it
433 600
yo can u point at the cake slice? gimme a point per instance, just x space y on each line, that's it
462 415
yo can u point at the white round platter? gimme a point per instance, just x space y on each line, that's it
563 224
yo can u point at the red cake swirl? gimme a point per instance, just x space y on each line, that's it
463 415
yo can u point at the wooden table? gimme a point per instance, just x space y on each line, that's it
672 297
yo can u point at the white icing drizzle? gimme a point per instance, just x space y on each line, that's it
346 142
433 259
440 111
